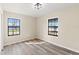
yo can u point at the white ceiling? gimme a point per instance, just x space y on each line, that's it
28 9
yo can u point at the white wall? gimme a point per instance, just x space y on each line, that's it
1 38
68 28
0 31
27 30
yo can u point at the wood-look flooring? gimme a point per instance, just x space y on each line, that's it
35 49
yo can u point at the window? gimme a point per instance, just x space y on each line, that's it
53 27
13 26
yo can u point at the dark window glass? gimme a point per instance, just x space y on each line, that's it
53 27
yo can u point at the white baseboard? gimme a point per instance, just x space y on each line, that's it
13 42
62 46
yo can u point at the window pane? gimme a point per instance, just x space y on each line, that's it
10 33
13 26
53 26
50 23
17 23
50 29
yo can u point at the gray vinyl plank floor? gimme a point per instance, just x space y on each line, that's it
34 49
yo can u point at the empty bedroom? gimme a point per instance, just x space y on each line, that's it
39 28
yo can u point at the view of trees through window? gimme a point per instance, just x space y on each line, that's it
13 26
